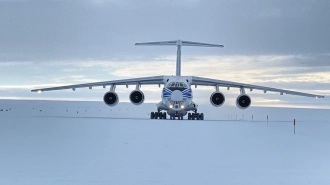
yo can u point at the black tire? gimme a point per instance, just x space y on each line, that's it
152 115
156 115
202 116
164 115
189 116
197 116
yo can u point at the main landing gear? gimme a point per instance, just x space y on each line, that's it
158 115
191 116
195 116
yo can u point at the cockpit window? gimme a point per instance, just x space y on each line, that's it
177 86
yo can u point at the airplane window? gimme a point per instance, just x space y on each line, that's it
171 84
177 86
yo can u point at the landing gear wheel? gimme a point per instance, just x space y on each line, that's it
164 115
156 115
152 115
197 116
201 116
189 116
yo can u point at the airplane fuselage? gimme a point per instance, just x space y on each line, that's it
177 95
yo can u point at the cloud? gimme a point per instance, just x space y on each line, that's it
65 30
266 70
259 69
281 44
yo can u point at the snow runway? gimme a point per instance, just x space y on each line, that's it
52 149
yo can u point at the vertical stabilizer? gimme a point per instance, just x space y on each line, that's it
178 43
178 58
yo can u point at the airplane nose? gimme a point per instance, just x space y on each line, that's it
176 95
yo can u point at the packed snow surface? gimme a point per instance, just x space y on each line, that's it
83 143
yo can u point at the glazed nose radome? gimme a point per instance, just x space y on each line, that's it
176 95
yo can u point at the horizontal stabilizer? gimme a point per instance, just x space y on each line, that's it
188 43
178 43
161 43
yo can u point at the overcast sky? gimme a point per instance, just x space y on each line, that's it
283 44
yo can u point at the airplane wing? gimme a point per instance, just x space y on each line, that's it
132 81
213 82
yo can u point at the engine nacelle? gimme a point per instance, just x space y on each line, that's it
217 99
136 97
243 101
110 98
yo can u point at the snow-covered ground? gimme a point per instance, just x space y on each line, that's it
52 142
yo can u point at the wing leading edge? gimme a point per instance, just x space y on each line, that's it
132 81
213 82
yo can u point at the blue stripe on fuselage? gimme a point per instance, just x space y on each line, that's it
187 93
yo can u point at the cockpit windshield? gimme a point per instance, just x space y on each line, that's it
177 86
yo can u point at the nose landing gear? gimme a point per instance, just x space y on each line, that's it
180 116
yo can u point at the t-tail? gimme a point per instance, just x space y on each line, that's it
178 43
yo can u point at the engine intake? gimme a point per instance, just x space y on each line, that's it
217 99
110 98
243 101
136 97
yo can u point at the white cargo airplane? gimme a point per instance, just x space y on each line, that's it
177 94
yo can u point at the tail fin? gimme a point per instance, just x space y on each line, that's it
178 43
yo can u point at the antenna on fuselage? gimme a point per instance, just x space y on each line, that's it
178 43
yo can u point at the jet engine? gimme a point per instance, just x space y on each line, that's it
136 97
110 98
217 99
243 101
